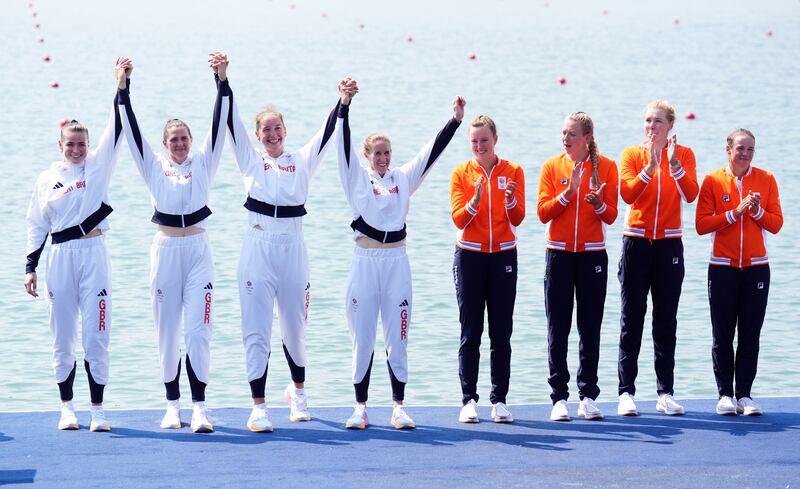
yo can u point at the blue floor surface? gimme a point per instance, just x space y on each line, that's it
700 449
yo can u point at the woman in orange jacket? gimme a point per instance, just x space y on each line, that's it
737 204
487 196
656 177
577 200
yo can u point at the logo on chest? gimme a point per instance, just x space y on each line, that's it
289 167
378 190
726 198
563 181
180 178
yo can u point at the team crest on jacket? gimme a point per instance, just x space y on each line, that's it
563 181
501 182
726 198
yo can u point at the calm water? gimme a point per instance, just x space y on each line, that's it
717 62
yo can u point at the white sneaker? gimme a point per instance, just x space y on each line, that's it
627 405
667 405
588 409
359 420
469 412
259 419
99 421
501 414
560 412
298 407
200 423
68 419
172 418
748 407
726 406
401 420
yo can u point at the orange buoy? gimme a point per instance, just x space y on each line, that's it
54 84
45 58
690 116
562 81
410 39
63 122
472 56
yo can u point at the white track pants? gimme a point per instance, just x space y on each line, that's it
380 281
273 267
79 280
181 287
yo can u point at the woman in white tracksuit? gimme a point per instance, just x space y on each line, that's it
181 267
274 261
70 202
380 276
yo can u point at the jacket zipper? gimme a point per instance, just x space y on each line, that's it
741 222
577 208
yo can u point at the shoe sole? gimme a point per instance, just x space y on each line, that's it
100 428
726 413
592 417
69 427
669 413
749 413
627 413
503 419
171 426
350 426
561 419
255 429
469 420
404 426
297 419
203 429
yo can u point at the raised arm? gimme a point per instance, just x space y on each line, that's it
38 228
107 148
243 149
211 150
418 167
350 169
314 150
143 156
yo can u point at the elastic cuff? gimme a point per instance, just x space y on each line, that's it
601 209
643 176
344 111
731 217
563 199
678 174
512 204
759 214
471 209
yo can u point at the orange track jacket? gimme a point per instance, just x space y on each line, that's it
492 227
655 201
574 224
738 241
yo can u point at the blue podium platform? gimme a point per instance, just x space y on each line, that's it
699 449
